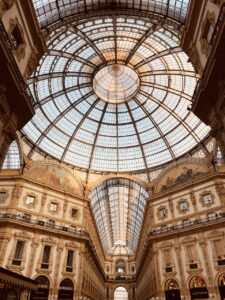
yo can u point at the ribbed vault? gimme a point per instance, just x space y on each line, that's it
118 206
73 124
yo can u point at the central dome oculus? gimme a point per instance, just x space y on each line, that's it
116 83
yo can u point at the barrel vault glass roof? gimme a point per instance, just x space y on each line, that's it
118 206
50 11
74 125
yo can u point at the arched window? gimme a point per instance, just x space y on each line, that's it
171 284
197 282
198 288
43 289
172 290
12 159
66 290
221 284
120 293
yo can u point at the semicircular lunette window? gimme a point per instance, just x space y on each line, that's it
118 206
138 122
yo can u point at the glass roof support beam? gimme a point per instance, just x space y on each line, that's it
147 34
62 92
78 126
56 75
96 137
90 43
178 118
72 57
115 37
139 140
158 55
157 127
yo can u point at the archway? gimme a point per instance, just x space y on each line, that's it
221 284
120 293
172 290
66 290
43 289
198 288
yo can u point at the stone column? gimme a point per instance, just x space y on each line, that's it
206 259
57 272
183 288
3 248
78 291
31 266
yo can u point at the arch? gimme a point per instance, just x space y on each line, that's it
221 285
13 158
171 284
93 184
66 289
119 236
120 293
182 171
198 288
172 290
42 292
54 174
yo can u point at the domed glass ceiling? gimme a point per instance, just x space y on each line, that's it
50 11
74 124
116 83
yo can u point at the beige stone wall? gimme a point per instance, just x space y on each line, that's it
183 244
195 43
33 45
32 223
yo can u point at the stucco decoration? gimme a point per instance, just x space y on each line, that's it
56 176
179 174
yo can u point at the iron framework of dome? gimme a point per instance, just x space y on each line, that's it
152 127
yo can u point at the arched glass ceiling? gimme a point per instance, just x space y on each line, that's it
12 159
50 11
118 206
74 125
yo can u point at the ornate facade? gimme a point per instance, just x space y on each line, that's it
120 208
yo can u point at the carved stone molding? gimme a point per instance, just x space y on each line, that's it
195 60
201 198
18 48
34 205
5 5
32 64
162 212
208 22
179 206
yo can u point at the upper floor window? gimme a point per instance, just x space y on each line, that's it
30 200
69 261
16 37
53 206
183 206
162 212
74 212
2 196
207 199
45 257
18 253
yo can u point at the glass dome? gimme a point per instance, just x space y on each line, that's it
111 95
116 83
